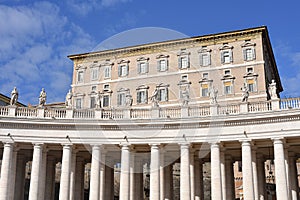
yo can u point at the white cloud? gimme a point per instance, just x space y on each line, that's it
36 41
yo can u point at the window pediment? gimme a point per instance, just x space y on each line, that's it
250 74
106 63
248 44
205 80
142 87
227 77
162 85
78 95
124 61
225 47
123 90
160 56
80 67
142 59
183 53
184 82
204 50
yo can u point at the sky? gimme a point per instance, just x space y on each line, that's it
37 36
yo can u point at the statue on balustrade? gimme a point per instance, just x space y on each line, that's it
14 96
245 94
129 100
273 89
98 101
213 94
154 98
42 98
68 101
185 96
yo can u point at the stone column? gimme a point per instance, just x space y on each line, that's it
287 169
6 170
35 172
73 175
281 179
198 179
229 177
42 185
154 172
223 173
248 184
95 172
254 168
64 190
13 175
132 176
162 174
216 180
261 176
20 177
79 178
293 177
102 177
124 176
192 173
168 175
185 185
139 194
50 180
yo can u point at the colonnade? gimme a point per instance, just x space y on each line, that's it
161 183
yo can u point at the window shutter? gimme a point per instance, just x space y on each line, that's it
138 97
119 99
159 95
231 56
245 54
146 96
209 59
158 66
167 64
119 70
167 94
222 57
179 62
127 69
254 54
139 68
201 59
188 62
147 67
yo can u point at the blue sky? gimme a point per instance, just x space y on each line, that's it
37 36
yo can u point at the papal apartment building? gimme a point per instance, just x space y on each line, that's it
191 119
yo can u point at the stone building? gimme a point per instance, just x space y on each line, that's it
193 118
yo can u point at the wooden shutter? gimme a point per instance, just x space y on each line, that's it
139 68
147 67
222 57
245 54
119 70
231 55
253 53
179 62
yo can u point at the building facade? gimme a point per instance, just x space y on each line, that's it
195 118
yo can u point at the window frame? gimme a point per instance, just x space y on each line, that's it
161 58
249 46
183 54
204 52
123 64
226 52
142 90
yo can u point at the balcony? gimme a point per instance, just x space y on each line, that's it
154 113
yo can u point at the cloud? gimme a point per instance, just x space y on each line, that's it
35 42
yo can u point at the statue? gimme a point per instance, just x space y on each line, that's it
154 98
129 100
68 101
213 93
14 96
42 98
98 100
185 97
245 91
273 89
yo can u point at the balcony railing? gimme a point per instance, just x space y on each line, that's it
163 113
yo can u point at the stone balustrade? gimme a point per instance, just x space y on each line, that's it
146 113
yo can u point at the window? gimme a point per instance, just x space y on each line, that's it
226 53
92 102
162 65
95 73
121 99
251 83
249 50
184 77
227 72
204 89
250 70
94 88
205 75
163 94
106 87
183 62
107 72
80 77
228 87
162 62
105 101
123 70
143 68
142 96
78 103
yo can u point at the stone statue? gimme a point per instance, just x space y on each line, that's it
14 96
245 91
213 93
98 100
129 100
68 101
42 98
185 96
154 98
273 89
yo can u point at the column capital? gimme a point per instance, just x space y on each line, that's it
185 145
66 144
215 145
155 145
278 140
